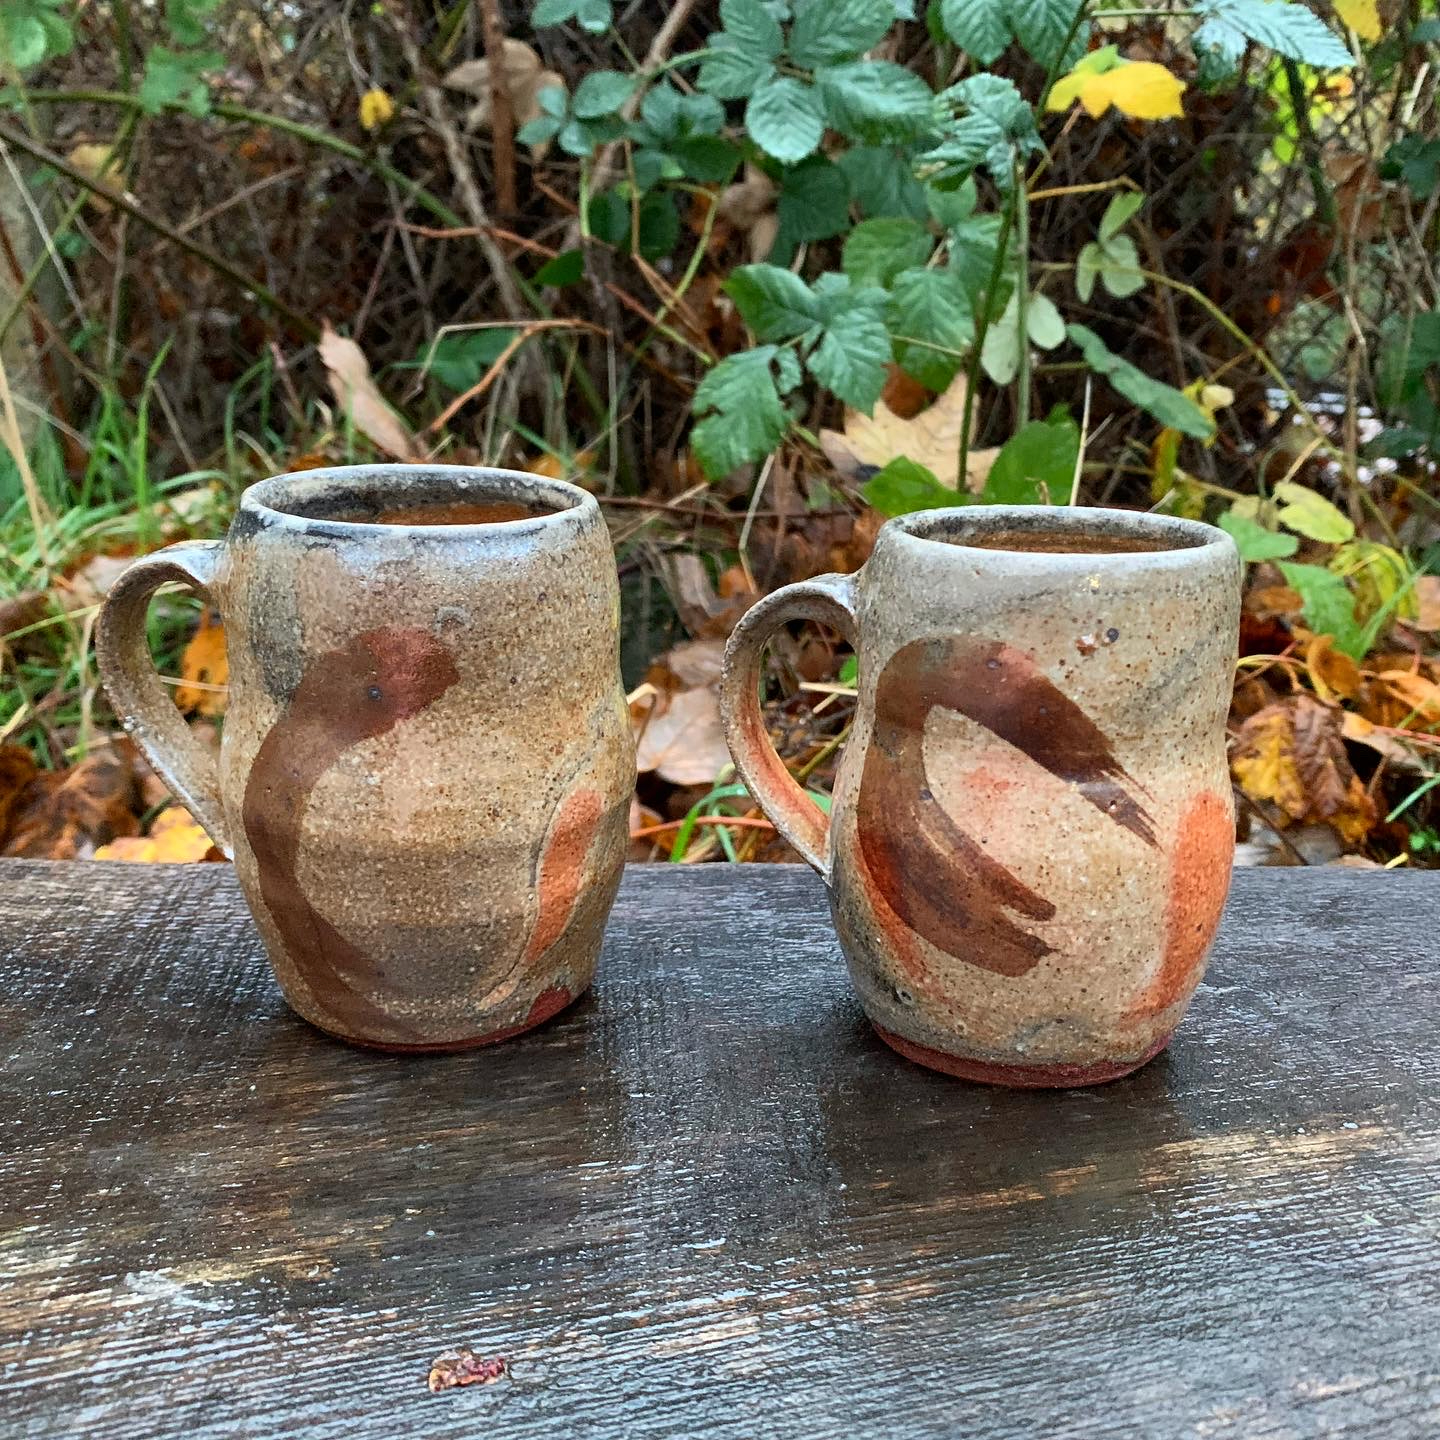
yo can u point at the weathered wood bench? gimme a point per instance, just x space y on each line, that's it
706 1201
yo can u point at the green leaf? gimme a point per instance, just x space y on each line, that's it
1254 541
1036 466
1088 265
539 130
186 19
707 158
1310 514
829 30
592 15
1118 214
1043 323
173 78
882 182
749 421
903 487
814 204
979 27
878 250
602 93
849 670
932 306
751 26
787 371
22 38
995 125
730 73
877 101
1168 405
1000 354
1120 266
671 115
1044 26
459 359
565 269
852 357
785 118
1328 606
1287 28
775 303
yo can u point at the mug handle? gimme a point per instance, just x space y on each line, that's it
829 599
144 706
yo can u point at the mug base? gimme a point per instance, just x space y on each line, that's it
548 1004
1021 1077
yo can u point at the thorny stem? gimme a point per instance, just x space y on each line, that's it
1022 293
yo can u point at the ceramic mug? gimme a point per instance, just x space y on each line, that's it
426 767
1032 828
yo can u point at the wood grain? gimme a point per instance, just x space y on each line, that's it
707 1201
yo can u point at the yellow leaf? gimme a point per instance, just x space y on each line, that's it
205 669
1142 90
1361 16
174 838
376 109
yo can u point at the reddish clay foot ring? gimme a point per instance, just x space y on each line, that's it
548 1004
1021 1077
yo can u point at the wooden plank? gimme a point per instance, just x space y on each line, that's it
707 1202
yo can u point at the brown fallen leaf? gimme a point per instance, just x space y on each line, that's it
748 208
1292 755
681 738
20 612
525 79
17 770
1360 731
101 164
464 1367
67 814
205 669
353 387
174 838
1427 604
930 438
1402 699
1334 674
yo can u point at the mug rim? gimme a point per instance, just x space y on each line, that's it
1176 536
568 503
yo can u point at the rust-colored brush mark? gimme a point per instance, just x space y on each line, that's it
1199 881
562 867
928 871
1003 689
354 693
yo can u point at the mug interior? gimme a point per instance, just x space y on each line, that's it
1047 530
415 495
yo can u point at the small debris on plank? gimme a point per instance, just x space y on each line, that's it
465 1367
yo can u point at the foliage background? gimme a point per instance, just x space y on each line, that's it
292 177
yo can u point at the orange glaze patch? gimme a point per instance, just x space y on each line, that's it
1199 881
562 865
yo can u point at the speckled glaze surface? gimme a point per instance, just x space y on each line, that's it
426 766
1032 825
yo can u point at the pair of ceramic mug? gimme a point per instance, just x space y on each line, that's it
427 764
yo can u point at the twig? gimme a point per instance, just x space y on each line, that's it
511 303
501 360
40 518
744 821
502 111
126 202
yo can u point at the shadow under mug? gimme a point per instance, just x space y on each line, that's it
426 767
1032 828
